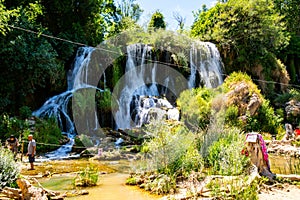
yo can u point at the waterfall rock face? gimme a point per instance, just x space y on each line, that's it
205 59
137 93
144 77
57 106
154 108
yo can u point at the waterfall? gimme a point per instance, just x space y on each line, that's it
137 55
133 111
140 89
205 59
57 106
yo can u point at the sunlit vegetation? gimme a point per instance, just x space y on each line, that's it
259 41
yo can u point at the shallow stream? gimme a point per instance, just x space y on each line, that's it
284 164
112 187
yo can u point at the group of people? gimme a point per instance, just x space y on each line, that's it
12 144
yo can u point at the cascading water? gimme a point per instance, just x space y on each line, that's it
139 99
137 55
57 106
204 60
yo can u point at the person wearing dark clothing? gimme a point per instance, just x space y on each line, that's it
12 144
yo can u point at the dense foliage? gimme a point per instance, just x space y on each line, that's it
197 106
9 169
39 40
45 131
157 21
290 9
249 34
224 156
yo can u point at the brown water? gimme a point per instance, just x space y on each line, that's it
112 187
284 164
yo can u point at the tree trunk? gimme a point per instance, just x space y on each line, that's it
258 155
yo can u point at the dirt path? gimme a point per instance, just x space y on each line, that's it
112 187
289 193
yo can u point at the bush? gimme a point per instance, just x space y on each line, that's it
224 155
25 112
266 120
162 184
11 126
9 169
171 149
231 116
195 107
87 177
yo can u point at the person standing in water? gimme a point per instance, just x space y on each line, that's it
31 151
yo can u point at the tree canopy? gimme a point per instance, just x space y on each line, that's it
249 34
157 21
33 66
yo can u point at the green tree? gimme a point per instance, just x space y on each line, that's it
157 21
249 35
290 9
33 66
28 63
195 107
5 16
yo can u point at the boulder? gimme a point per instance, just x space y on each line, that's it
292 108
247 101
29 192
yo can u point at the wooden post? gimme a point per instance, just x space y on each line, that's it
22 150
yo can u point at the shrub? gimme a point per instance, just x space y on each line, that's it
266 120
9 169
11 126
162 184
225 154
87 177
195 107
231 116
171 149
215 130
25 112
